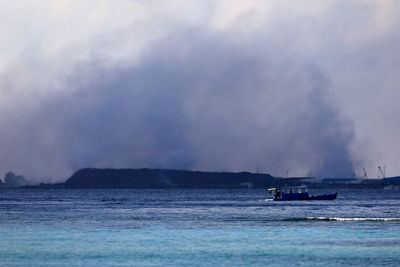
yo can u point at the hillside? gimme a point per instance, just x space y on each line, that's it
164 178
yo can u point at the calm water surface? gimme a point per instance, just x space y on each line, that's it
197 227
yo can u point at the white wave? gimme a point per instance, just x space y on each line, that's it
343 219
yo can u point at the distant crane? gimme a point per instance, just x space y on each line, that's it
382 172
285 172
353 173
365 173
259 167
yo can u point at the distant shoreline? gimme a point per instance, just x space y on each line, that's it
90 178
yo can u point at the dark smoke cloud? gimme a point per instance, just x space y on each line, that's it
270 85
196 101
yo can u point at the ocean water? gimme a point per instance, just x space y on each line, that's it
197 228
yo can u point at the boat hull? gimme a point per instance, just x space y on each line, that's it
295 197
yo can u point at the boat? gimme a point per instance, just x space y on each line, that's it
296 193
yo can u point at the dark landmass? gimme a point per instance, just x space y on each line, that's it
164 178
173 179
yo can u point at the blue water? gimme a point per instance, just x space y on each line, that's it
198 228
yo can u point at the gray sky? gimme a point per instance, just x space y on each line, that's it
202 85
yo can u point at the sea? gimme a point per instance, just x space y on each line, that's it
126 227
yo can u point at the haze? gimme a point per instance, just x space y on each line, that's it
311 87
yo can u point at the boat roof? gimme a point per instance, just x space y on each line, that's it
287 187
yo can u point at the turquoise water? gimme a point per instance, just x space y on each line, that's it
197 227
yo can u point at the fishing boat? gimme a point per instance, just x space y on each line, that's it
297 193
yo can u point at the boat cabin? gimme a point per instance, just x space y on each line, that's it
289 193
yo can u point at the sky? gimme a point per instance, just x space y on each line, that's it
282 87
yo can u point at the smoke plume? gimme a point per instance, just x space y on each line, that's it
235 92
